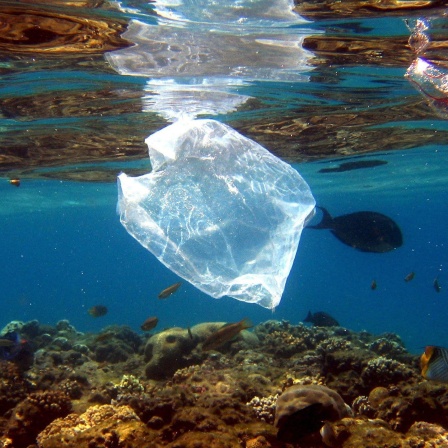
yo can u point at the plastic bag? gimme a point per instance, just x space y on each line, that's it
218 209
432 82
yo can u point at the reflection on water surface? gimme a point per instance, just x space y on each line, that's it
63 104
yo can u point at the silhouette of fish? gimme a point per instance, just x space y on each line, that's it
348 166
97 311
321 319
365 231
10 345
168 291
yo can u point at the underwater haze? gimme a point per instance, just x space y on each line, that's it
326 88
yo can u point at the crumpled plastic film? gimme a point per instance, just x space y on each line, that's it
218 209
432 82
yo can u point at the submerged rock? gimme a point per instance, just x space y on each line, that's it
167 352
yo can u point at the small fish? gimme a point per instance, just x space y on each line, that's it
321 319
434 364
190 333
11 345
364 231
15 182
409 277
170 290
348 166
98 311
328 435
104 336
373 285
436 284
225 334
149 323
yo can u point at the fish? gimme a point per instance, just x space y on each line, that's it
149 323
10 345
348 166
365 231
168 291
436 284
190 333
105 336
226 333
321 319
373 285
15 182
409 277
98 311
434 363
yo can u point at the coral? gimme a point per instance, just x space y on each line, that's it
99 426
383 371
433 436
333 344
258 442
167 352
33 414
402 412
264 407
377 395
300 410
13 386
129 384
387 347
362 406
227 397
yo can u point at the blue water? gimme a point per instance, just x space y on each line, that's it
64 250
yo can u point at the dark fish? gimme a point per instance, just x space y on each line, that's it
409 277
373 285
348 166
225 334
10 345
434 364
149 323
321 319
190 333
436 284
170 290
98 311
365 231
15 182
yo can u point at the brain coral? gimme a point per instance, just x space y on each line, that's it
302 409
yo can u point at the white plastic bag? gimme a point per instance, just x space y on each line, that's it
218 209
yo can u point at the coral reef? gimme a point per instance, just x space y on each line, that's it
122 389
300 410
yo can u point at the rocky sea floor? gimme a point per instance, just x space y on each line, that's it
119 388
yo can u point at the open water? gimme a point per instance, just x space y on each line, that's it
63 248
